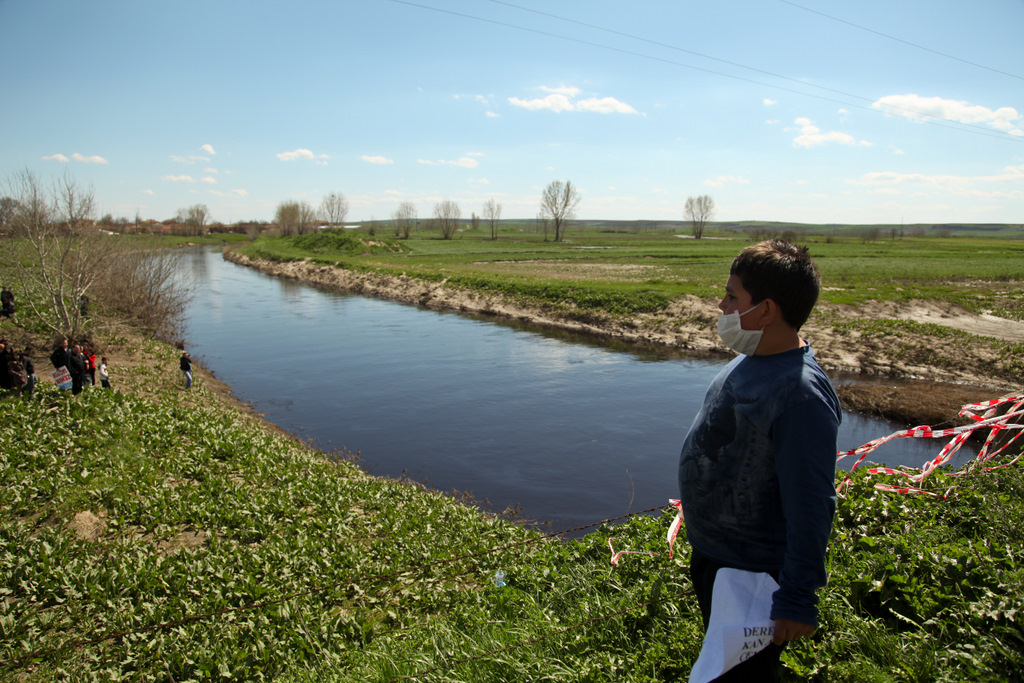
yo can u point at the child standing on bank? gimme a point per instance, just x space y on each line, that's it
104 374
757 468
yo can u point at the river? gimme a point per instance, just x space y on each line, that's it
568 430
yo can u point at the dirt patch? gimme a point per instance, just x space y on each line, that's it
930 375
912 403
186 540
87 526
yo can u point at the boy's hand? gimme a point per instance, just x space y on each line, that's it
787 629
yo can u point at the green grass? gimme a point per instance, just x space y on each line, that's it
641 272
229 553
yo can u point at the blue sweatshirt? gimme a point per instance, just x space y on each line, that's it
757 474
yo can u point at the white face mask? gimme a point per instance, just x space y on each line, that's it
735 337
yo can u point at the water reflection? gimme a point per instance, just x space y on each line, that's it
572 430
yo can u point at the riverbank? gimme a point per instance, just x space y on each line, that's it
915 377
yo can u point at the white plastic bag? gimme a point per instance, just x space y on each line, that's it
740 625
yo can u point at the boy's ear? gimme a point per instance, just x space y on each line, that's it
770 314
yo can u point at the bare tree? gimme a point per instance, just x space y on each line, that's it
492 214
334 209
699 210
307 218
447 214
404 218
193 218
63 260
558 203
295 218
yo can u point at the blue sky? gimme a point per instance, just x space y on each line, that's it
805 111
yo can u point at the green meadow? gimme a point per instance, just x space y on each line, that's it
152 534
639 272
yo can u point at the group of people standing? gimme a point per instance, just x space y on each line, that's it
17 372
81 365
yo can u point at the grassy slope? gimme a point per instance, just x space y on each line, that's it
204 514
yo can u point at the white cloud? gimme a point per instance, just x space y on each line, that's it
768 102
208 180
149 192
210 170
88 160
179 178
811 135
76 157
722 180
990 186
232 193
555 102
208 149
917 108
492 115
302 153
480 181
190 159
376 159
462 162
562 99
605 105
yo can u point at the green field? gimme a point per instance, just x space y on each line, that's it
623 272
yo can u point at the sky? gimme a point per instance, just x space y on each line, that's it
807 111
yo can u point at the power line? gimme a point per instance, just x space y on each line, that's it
900 40
927 118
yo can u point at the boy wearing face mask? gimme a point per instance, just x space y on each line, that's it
757 468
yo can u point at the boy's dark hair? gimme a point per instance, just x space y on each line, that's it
782 272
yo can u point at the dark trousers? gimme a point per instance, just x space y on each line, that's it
762 667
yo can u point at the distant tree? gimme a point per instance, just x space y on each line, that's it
295 218
699 210
193 218
447 214
404 219
334 209
8 205
492 214
558 204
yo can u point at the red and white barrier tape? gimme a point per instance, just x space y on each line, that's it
987 419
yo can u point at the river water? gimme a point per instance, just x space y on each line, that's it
569 430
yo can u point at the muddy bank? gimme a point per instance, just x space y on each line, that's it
911 378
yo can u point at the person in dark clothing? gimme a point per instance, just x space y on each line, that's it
7 302
30 370
76 368
6 357
757 468
83 306
59 357
186 368
16 374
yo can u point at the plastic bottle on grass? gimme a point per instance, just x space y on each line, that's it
499 578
